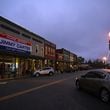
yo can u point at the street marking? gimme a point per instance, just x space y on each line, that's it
31 90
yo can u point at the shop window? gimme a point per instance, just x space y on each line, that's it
8 67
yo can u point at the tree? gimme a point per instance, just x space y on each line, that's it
81 60
96 63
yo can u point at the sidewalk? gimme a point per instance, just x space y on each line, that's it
13 78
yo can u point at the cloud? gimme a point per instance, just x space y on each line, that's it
80 26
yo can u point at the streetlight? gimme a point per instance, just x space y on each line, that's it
109 34
104 61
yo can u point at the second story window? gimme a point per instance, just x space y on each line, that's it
27 36
37 48
42 51
46 50
9 29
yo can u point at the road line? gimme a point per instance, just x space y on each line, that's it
31 90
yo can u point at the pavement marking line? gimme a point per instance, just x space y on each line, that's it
30 90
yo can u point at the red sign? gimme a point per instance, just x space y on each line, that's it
15 39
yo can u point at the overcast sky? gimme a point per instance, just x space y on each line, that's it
80 26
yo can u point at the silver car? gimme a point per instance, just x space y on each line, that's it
44 71
96 81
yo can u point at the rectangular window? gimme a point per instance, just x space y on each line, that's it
26 36
49 50
42 51
46 50
9 29
37 40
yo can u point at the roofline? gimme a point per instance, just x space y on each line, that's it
18 26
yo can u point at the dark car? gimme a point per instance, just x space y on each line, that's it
96 81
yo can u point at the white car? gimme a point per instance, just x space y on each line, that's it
44 71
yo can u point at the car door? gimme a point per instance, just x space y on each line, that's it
45 70
86 80
96 82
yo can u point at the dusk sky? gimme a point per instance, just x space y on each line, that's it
80 26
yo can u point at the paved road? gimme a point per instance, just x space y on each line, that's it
47 93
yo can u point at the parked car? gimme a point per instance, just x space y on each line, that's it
44 71
96 81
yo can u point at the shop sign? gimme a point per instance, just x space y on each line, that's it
14 44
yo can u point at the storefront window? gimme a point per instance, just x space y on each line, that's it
8 66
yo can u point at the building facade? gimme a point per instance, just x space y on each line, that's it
59 60
49 53
65 60
21 51
73 62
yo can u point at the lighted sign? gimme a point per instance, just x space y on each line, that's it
14 44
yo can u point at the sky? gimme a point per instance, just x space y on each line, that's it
80 26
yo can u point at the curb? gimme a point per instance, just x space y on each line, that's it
13 78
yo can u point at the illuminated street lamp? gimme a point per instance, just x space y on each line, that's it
104 59
109 34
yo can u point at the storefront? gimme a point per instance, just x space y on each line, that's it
59 61
37 54
49 54
14 56
63 60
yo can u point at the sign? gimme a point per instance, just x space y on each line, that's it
14 44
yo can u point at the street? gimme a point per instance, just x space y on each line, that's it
56 92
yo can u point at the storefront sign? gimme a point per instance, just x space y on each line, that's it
14 44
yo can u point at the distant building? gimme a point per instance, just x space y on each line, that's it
65 60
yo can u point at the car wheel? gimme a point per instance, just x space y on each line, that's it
50 73
104 95
37 74
78 85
